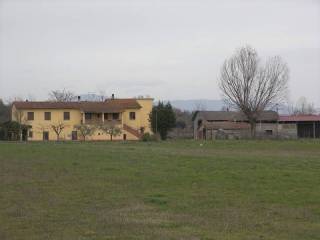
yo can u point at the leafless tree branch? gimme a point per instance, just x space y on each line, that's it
58 128
61 95
250 86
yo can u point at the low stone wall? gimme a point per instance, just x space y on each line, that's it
263 131
288 131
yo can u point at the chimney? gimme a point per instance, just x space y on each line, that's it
112 96
79 98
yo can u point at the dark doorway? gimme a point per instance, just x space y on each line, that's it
45 136
74 135
124 137
204 134
24 134
308 129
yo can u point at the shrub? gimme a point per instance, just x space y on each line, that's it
147 137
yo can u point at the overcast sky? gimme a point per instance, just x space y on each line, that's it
169 49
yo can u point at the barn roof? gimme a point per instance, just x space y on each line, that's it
45 105
235 116
111 105
299 118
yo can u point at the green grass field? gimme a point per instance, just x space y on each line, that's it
161 190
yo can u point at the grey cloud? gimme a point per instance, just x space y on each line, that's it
168 49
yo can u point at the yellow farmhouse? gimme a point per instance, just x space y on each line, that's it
129 115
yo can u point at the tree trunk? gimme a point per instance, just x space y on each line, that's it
20 133
111 137
253 128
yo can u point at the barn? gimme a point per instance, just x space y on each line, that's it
209 125
230 124
302 126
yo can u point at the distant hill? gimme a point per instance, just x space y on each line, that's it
187 105
198 104
211 105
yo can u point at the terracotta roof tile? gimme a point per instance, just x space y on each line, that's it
46 105
299 118
110 105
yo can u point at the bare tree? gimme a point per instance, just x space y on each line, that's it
225 108
85 130
250 86
304 107
102 95
4 112
19 117
31 97
12 99
58 128
61 95
199 105
111 129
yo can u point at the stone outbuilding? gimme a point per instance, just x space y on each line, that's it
300 126
209 125
232 125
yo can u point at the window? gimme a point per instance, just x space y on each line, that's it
30 116
47 115
268 132
106 116
132 115
45 136
115 116
87 116
30 134
66 116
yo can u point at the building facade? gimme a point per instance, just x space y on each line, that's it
227 125
131 116
300 126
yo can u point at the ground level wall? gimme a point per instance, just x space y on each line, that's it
263 130
66 135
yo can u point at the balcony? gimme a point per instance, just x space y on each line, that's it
99 122
101 118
